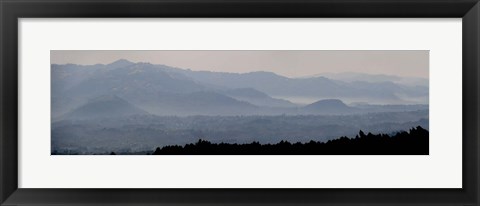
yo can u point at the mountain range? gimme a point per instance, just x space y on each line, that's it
126 88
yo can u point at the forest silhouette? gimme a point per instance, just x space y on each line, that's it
413 142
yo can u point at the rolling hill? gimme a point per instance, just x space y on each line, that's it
106 106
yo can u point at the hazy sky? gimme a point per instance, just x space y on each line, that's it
284 62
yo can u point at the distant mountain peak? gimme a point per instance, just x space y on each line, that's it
121 63
329 102
329 106
104 106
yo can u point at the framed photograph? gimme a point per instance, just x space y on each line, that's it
239 102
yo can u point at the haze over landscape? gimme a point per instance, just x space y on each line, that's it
131 107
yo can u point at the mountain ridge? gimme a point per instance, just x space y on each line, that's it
149 86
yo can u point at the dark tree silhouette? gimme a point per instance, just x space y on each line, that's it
413 142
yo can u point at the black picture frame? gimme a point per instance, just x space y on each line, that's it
11 10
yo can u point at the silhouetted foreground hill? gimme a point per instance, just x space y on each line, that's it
414 142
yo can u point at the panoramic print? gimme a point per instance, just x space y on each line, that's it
239 102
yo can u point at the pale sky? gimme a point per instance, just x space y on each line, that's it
290 63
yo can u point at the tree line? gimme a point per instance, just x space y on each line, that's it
412 142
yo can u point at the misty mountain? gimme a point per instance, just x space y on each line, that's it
164 90
132 82
120 63
68 75
72 85
354 87
257 98
107 106
385 92
329 106
196 103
